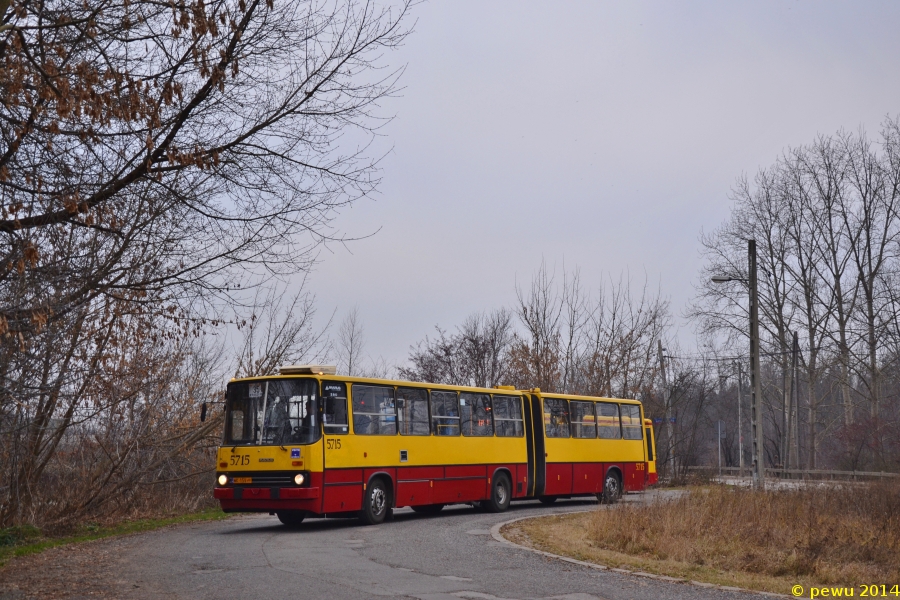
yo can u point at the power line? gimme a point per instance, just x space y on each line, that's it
701 357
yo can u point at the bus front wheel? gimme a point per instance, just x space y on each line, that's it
376 504
500 494
291 518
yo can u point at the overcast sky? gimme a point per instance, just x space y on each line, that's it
595 134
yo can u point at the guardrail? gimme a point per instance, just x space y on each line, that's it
801 473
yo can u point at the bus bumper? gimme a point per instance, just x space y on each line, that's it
250 499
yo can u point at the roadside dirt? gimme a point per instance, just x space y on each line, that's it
84 570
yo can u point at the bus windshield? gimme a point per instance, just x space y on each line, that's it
276 412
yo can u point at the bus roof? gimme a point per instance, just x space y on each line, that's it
501 390
377 381
591 398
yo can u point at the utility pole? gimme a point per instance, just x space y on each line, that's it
785 407
740 367
793 414
668 397
720 426
756 416
759 471
797 400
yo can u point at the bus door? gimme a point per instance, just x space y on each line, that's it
529 445
342 487
536 441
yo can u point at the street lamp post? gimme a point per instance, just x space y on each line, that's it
740 370
756 421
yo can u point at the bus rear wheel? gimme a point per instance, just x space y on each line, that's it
612 489
376 504
291 518
500 494
547 499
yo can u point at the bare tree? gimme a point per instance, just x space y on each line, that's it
350 343
619 355
825 217
816 304
874 220
148 146
102 403
823 166
434 360
578 344
278 332
378 368
478 354
536 355
153 157
483 344
567 343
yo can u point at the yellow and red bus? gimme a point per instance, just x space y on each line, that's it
307 442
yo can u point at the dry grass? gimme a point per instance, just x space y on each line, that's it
834 534
149 500
846 535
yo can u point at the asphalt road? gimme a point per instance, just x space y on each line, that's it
448 556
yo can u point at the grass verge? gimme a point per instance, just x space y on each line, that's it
22 541
755 540
566 535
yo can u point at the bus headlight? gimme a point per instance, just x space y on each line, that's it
299 478
223 480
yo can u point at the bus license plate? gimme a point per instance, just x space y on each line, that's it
243 480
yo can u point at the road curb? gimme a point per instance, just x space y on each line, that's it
497 536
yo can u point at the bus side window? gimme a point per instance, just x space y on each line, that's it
583 423
631 422
649 445
508 416
445 413
608 425
556 417
475 414
373 410
335 415
412 411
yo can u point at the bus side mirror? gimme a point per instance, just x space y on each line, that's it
203 412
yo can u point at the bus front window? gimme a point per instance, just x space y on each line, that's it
292 415
277 412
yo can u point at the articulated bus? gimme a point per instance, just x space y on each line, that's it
309 443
